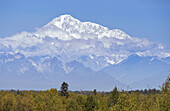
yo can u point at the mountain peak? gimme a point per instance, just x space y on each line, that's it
65 16
73 28
61 20
86 37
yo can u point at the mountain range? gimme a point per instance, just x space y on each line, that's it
84 54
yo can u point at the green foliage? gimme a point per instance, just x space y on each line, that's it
95 92
113 97
166 85
50 100
73 106
64 89
91 103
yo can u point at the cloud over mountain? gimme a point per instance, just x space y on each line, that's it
67 39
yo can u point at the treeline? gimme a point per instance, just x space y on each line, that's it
63 100
145 91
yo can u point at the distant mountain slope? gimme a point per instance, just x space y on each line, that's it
136 68
70 39
154 81
71 50
25 73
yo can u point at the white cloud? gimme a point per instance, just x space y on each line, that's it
70 38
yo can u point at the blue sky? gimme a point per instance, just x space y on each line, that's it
138 18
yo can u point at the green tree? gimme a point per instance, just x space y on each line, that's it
113 97
164 99
90 104
64 89
95 92
73 106
166 85
8 102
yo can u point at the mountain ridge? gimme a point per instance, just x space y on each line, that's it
95 48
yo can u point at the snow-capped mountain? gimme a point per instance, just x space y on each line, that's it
136 68
19 72
74 29
65 39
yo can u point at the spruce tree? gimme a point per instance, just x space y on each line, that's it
64 89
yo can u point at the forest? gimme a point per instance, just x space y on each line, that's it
65 100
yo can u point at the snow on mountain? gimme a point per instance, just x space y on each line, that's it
136 69
64 40
65 31
69 39
73 28
22 72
